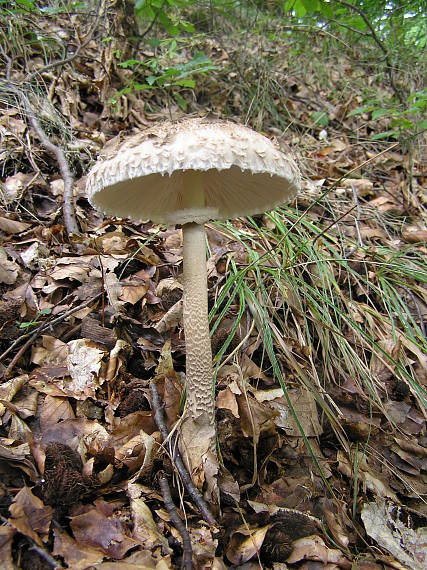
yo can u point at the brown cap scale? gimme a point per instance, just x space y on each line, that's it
186 173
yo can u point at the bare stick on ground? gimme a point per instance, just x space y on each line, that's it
68 204
187 561
192 490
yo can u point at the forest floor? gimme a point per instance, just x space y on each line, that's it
317 314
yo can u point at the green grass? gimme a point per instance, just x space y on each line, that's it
325 316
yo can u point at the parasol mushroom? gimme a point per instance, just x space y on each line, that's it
187 173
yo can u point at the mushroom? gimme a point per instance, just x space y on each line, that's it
187 173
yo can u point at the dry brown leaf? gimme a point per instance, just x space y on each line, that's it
314 548
84 362
6 538
76 555
132 291
226 399
112 243
101 530
414 234
30 516
72 432
171 319
8 269
255 417
305 408
52 351
54 410
8 390
12 226
362 186
145 530
14 186
369 479
204 546
245 544
382 523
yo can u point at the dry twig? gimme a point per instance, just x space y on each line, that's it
187 561
43 327
68 203
60 62
185 476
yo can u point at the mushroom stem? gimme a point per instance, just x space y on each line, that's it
198 438
199 376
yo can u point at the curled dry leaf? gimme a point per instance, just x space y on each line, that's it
145 530
30 516
314 548
8 269
244 544
383 524
9 389
414 234
9 226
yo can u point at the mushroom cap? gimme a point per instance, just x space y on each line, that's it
145 177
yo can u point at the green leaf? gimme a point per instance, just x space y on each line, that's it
382 113
320 118
46 311
311 5
360 110
326 9
300 9
186 83
384 135
129 63
181 101
151 79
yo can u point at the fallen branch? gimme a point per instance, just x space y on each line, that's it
187 554
185 476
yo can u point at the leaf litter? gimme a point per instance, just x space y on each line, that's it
329 468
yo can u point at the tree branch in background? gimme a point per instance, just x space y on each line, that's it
398 92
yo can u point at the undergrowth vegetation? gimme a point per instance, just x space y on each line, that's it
317 309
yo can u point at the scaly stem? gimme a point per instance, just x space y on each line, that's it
198 441
199 374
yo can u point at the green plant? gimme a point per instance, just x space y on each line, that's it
163 73
167 13
403 122
26 325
